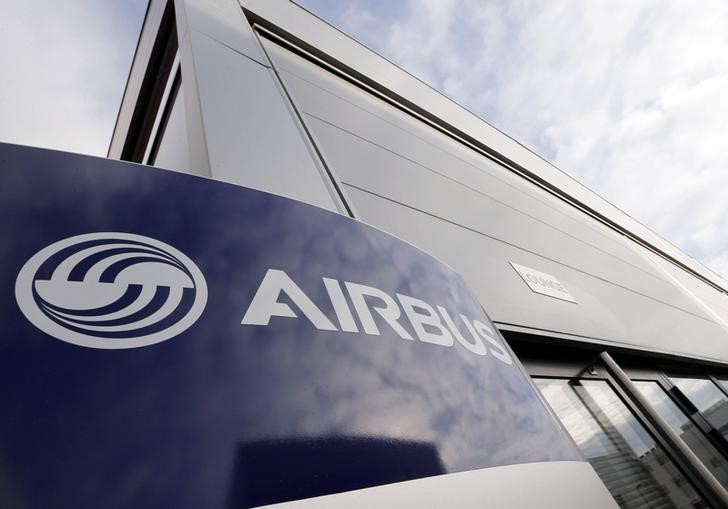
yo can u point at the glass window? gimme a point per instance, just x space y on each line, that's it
684 427
635 469
707 398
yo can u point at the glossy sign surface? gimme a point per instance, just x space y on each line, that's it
226 414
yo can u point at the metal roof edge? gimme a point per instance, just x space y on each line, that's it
291 18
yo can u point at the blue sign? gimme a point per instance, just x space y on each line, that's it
172 341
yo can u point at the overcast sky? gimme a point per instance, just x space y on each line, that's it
629 97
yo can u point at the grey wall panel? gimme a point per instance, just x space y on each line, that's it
368 167
715 301
222 20
199 158
246 122
331 100
377 150
173 150
296 21
604 311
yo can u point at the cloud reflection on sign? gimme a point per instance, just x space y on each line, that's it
163 425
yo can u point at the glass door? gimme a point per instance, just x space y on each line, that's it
654 430
634 466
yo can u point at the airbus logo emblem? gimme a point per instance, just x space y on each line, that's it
115 290
434 325
111 290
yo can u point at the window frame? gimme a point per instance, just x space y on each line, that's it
674 393
543 358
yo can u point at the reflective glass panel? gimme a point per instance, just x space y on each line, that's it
635 469
710 400
684 427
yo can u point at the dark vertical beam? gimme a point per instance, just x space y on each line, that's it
152 89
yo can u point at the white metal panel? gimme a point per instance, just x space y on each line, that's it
252 137
199 158
330 41
548 485
342 113
366 166
330 99
222 20
711 299
411 180
173 149
605 312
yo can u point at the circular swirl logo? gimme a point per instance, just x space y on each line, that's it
111 290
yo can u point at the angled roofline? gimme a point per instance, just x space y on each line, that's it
291 22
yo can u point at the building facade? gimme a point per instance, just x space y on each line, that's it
624 335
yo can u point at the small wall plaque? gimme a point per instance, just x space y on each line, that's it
543 283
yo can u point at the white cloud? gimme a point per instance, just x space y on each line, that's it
64 67
626 96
